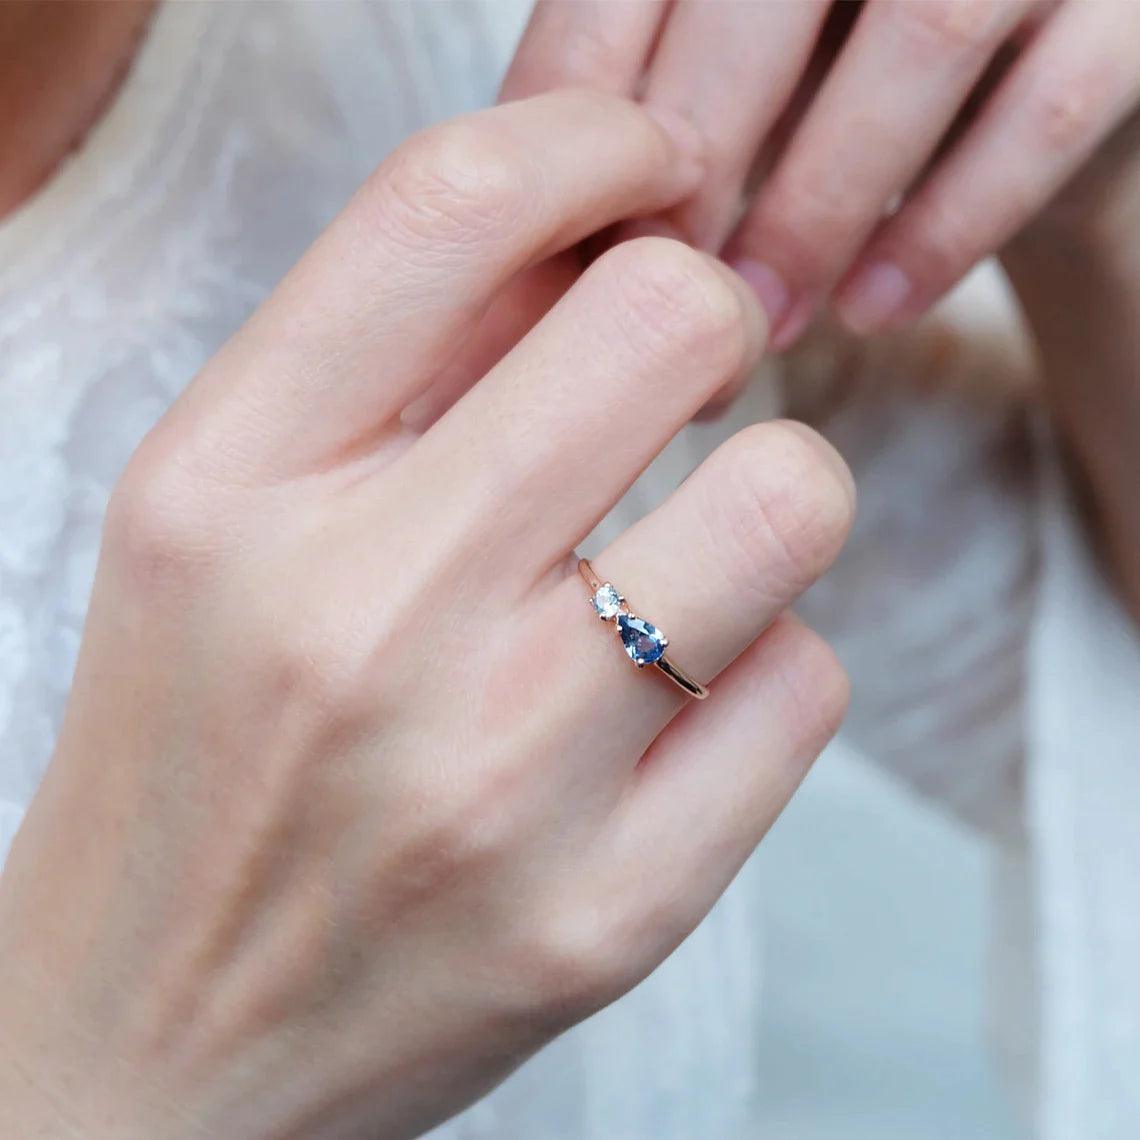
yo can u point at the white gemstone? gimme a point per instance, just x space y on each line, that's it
607 601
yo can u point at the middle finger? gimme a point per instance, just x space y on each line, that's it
364 322
531 458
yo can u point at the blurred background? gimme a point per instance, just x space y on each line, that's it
884 1035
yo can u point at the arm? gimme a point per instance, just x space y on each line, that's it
1080 288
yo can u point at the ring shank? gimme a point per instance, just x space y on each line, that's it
682 679
587 572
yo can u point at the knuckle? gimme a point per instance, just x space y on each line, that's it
781 504
576 963
804 214
456 184
963 25
943 236
673 302
1067 114
160 523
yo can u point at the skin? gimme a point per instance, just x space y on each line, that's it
1029 88
372 805
60 63
866 156
1076 270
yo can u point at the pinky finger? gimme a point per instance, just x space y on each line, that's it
1077 80
708 790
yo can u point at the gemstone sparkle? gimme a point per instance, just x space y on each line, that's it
606 602
643 642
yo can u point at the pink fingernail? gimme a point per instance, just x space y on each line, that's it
768 286
873 296
795 321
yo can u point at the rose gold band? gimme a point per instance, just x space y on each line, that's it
643 643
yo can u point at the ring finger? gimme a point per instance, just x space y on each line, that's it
758 522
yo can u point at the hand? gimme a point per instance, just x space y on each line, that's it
1076 271
970 114
356 803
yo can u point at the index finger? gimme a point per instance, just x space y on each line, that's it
382 300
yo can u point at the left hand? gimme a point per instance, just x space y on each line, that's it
964 117
356 802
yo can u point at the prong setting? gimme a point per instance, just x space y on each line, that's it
643 643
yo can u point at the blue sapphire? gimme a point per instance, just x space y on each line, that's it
643 642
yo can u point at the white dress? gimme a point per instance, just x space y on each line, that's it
993 670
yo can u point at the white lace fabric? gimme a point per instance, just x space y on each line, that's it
222 158
985 651
80 325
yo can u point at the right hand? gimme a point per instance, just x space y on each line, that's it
356 803
900 141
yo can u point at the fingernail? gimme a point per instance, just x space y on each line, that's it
768 286
873 296
792 327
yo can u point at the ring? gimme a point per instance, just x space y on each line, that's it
643 642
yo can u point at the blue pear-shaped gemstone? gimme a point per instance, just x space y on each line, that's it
643 642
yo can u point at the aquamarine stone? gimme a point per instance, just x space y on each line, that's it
643 642
607 602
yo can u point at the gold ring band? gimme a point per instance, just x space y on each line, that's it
643 642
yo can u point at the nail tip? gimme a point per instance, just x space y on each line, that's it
873 297
767 285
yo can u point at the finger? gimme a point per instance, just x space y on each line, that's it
729 69
511 315
588 43
758 522
379 304
533 456
890 97
584 43
717 778
1076 81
